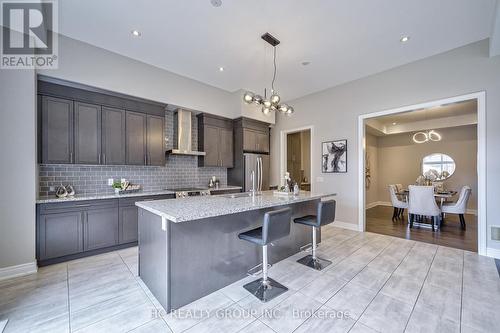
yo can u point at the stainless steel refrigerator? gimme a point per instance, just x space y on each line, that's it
259 165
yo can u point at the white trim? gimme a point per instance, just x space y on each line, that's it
345 225
481 157
283 147
18 270
494 253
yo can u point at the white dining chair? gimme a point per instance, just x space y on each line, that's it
399 205
421 202
459 207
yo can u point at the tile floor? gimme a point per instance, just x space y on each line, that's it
376 283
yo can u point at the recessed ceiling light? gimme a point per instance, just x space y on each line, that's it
394 123
136 33
305 63
221 69
216 3
404 39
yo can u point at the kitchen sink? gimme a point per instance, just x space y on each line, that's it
240 195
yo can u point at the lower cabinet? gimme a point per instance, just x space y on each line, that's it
100 228
60 234
128 224
72 229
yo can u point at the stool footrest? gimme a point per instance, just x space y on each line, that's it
257 270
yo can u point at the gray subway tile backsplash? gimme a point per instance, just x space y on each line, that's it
179 171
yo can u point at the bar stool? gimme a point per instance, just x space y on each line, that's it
276 225
326 215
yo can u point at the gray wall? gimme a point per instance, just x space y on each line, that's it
179 171
334 115
17 167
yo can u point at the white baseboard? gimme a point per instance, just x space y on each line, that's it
18 270
386 203
494 253
345 225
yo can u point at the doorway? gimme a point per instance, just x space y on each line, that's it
296 156
437 118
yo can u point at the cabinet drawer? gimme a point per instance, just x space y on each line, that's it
60 207
131 201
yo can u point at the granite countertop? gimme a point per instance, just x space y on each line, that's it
81 197
194 208
78 197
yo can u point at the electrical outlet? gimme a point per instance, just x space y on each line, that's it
110 181
52 189
319 179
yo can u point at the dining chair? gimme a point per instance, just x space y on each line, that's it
421 202
459 207
399 205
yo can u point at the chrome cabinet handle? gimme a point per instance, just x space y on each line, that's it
104 156
145 160
71 157
99 158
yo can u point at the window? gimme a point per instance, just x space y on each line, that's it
439 162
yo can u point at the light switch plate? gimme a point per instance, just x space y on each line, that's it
110 181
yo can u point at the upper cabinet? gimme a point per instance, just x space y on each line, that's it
87 133
99 129
253 135
57 130
215 138
155 143
113 136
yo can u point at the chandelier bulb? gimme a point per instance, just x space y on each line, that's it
248 97
275 98
266 103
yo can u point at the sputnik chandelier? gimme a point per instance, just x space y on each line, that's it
273 103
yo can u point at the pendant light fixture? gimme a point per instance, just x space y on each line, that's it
273 103
422 137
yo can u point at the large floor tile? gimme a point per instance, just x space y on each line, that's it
326 320
371 278
193 313
291 313
226 320
256 327
481 316
402 288
443 302
352 298
346 270
360 328
386 314
323 288
423 320
48 324
154 326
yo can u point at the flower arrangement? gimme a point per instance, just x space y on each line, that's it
431 176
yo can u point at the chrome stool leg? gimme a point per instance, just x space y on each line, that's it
312 260
265 288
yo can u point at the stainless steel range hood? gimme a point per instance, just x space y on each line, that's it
184 129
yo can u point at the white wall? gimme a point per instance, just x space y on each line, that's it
17 167
334 115
83 63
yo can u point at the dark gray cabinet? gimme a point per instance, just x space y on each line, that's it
60 234
87 133
100 228
128 224
57 130
155 141
255 140
215 138
135 138
113 136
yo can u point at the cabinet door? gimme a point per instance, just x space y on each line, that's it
262 142
135 132
57 130
211 140
100 228
128 224
87 133
226 148
249 140
113 136
60 235
155 141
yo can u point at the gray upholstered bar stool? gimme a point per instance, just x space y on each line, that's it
325 215
276 225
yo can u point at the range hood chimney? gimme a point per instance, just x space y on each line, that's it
184 129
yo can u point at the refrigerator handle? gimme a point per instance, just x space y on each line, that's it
261 170
257 167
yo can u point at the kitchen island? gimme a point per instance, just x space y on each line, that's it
189 247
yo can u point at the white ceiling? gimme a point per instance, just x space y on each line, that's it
344 40
449 115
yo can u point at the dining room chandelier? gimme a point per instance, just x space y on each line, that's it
273 103
423 137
